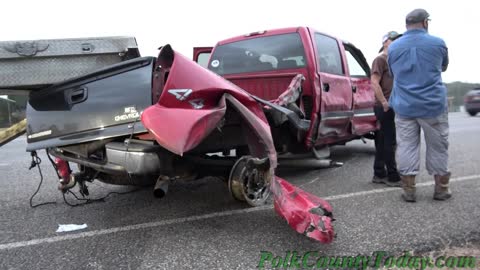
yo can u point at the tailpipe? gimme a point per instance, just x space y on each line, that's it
161 187
310 163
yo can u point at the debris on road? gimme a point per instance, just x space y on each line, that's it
305 213
70 227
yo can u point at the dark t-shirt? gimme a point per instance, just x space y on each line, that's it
380 67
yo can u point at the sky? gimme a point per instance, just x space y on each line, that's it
186 24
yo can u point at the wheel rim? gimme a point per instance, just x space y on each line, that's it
250 185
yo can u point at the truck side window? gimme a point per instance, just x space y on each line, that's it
258 54
203 59
354 67
328 54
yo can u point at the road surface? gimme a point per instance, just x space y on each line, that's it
199 226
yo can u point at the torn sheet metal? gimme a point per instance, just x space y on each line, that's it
304 212
293 92
187 81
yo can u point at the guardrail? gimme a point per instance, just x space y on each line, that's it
13 132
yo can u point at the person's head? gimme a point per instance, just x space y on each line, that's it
387 39
417 19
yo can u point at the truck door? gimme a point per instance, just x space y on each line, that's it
201 55
336 94
363 120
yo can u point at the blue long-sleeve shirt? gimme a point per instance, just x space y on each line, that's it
416 61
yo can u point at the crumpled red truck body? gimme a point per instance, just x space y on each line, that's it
335 102
179 125
306 213
153 120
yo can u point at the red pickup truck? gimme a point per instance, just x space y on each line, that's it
153 120
334 103
148 119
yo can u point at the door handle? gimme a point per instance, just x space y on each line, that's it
354 88
326 87
78 95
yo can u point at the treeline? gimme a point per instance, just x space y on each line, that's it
457 90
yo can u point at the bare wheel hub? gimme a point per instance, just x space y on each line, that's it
250 180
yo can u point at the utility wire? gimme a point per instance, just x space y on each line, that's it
36 160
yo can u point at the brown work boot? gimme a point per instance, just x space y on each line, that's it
442 191
408 184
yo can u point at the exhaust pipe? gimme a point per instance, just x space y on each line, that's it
311 163
161 187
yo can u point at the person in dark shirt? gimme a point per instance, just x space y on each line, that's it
384 167
419 99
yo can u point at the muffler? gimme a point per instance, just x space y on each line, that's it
161 187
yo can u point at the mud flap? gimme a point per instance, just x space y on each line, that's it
304 212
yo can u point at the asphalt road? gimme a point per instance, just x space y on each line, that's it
199 226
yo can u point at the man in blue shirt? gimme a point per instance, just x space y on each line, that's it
419 99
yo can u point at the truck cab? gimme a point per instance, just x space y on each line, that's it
336 99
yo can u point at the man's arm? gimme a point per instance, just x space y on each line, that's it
445 60
375 80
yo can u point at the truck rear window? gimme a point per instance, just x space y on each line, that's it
259 54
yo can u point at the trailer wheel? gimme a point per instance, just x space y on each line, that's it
249 181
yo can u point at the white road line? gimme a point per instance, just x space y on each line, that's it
147 225
383 190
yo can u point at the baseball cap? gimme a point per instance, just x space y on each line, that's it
416 16
392 35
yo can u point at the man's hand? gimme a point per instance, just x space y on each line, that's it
375 79
385 105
